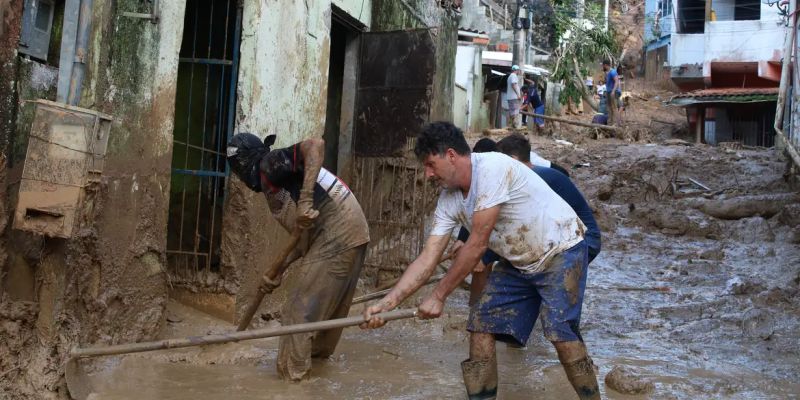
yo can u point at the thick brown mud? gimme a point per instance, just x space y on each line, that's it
700 306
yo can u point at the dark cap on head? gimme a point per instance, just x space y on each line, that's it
245 152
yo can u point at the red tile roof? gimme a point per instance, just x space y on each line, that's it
728 92
725 95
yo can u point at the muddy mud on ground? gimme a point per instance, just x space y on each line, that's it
701 307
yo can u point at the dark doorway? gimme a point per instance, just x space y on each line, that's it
339 34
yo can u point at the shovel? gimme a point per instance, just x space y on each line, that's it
78 381
275 270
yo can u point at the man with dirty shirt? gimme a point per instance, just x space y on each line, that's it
303 196
511 210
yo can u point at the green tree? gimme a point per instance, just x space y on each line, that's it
582 45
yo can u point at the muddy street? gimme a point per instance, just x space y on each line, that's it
699 306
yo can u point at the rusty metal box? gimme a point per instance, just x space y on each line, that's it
66 152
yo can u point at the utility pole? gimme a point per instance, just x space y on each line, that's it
518 57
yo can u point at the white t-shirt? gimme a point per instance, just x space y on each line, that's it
510 93
534 223
538 161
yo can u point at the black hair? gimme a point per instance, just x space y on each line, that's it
437 137
606 62
516 145
485 145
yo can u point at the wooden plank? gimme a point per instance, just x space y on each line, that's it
568 121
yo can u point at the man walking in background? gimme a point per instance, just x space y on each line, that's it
514 97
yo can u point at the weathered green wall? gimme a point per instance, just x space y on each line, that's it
358 9
107 285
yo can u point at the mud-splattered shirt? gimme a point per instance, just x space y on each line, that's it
534 223
341 224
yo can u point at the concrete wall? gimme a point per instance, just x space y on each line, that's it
107 285
464 78
17 310
284 57
687 48
469 76
460 107
724 9
725 40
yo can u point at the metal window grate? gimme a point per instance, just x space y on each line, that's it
205 102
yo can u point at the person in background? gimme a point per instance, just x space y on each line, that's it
612 91
534 104
514 97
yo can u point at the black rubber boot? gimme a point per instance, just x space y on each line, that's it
480 378
582 377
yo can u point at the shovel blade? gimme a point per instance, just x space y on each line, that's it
77 380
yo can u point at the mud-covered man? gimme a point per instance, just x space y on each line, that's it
304 196
511 210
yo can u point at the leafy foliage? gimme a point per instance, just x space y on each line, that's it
583 45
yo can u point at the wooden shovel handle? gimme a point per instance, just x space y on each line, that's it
236 336
272 272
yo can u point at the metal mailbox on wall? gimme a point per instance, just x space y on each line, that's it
66 152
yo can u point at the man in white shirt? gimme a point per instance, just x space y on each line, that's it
514 97
512 211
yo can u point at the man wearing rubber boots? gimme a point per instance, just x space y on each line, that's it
512 211
303 195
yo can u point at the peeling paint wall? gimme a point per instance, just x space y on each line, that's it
107 285
284 60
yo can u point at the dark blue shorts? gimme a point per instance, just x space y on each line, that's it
512 300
